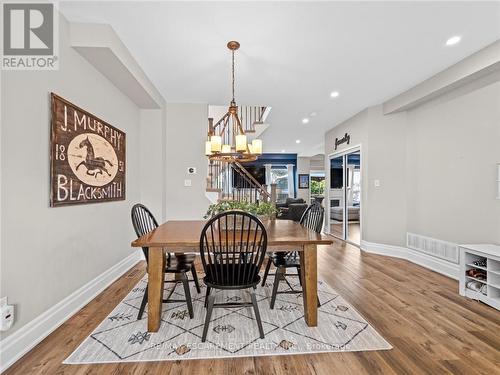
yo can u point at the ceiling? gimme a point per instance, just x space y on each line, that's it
294 54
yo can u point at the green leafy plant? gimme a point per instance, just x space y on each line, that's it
317 187
259 209
263 208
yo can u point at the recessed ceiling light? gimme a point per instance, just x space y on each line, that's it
334 94
305 120
297 141
453 40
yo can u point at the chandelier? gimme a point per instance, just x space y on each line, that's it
227 140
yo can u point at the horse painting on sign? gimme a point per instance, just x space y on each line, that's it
94 165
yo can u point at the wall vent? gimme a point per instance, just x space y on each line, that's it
440 249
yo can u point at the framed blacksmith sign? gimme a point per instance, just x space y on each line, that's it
87 157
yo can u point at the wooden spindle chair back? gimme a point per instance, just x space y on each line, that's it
143 222
312 219
232 247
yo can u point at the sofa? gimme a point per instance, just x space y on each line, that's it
336 213
292 209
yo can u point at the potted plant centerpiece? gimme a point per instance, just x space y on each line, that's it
263 210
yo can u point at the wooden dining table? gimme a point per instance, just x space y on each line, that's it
184 236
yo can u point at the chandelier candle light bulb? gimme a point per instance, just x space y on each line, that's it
241 142
226 149
208 148
257 146
216 141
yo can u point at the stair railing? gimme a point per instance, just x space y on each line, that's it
259 190
251 115
233 182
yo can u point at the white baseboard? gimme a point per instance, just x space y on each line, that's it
16 345
436 264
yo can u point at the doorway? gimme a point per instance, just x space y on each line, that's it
317 185
344 196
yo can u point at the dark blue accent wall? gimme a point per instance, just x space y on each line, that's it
278 160
275 159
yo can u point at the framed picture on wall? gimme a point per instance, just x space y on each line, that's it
303 181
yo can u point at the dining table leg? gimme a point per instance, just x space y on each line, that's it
156 274
309 276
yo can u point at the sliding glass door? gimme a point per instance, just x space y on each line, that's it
336 196
353 198
345 196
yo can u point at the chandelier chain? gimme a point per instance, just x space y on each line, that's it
233 74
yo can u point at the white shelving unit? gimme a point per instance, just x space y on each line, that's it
472 253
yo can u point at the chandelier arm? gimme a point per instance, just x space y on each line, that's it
226 121
233 157
221 120
234 129
238 122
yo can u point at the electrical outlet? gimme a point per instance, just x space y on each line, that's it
187 182
6 317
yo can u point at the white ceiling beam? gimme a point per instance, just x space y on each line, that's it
479 64
100 45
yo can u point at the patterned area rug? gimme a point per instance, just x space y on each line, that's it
232 332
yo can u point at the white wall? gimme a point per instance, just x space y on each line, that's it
436 167
453 147
47 253
384 160
317 163
152 161
186 136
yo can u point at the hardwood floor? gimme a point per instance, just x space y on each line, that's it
353 231
433 330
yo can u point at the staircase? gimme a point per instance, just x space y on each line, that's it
252 118
232 181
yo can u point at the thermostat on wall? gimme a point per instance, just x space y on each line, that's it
191 170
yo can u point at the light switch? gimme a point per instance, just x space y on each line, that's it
187 182
376 183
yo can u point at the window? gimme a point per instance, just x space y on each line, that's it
279 176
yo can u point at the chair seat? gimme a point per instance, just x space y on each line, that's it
175 265
185 258
279 260
229 276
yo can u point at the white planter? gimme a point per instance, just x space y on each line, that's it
263 218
